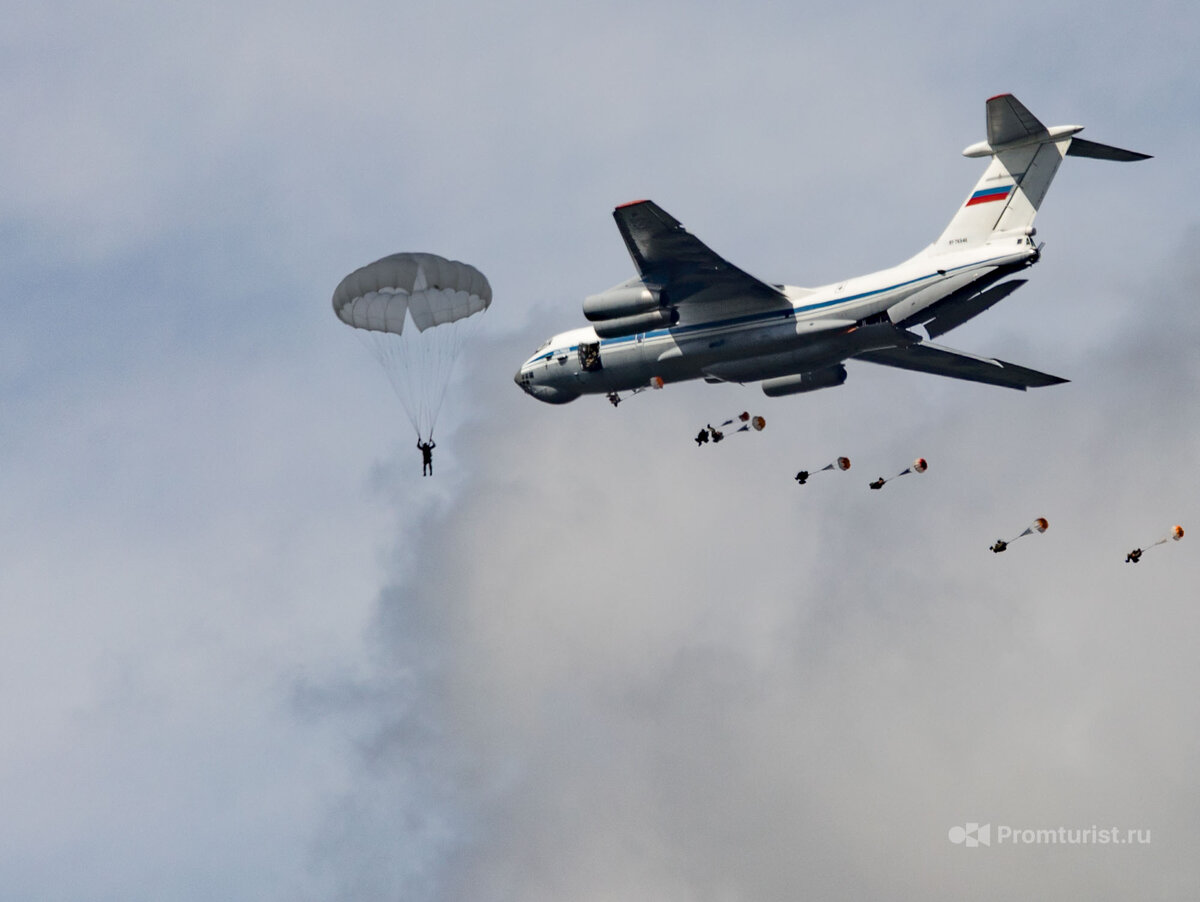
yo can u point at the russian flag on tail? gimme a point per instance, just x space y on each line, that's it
987 195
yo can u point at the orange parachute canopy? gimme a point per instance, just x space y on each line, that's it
1041 524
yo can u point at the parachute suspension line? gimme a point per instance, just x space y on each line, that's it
1040 525
388 350
457 335
420 365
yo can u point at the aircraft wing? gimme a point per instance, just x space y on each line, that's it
685 269
927 357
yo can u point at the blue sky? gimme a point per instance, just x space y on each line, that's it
250 653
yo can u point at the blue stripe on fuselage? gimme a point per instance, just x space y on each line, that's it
762 316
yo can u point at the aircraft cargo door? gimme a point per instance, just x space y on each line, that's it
589 357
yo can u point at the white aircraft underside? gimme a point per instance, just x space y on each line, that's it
690 314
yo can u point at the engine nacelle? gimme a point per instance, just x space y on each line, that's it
829 377
622 301
632 325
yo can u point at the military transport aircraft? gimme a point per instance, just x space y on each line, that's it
691 314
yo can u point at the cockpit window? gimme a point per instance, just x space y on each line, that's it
545 344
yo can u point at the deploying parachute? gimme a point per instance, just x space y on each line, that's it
716 433
1040 525
842 463
1174 535
614 398
415 312
920 465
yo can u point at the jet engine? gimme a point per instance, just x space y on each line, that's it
632 325
627 309
829 377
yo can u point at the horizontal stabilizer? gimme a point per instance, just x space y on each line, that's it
954 314
939 361
1009 121
1084 148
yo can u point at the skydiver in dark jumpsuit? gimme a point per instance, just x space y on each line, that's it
427 455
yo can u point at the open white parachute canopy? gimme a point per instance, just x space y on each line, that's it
435 299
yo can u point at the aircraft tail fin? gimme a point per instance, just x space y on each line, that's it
1025 156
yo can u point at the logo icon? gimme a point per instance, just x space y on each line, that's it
971 835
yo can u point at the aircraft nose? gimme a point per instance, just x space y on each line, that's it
525 381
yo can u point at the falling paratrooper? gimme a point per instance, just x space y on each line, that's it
920 465
415 312
1040 525
655 383
1174 535
842 463
717 433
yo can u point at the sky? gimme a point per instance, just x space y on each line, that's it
250 653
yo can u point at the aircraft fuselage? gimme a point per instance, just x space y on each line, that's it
813 331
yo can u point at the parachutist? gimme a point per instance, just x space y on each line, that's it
701 437
1174 535
426 455
1040 525
842 463
613 398
920 465
716 434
